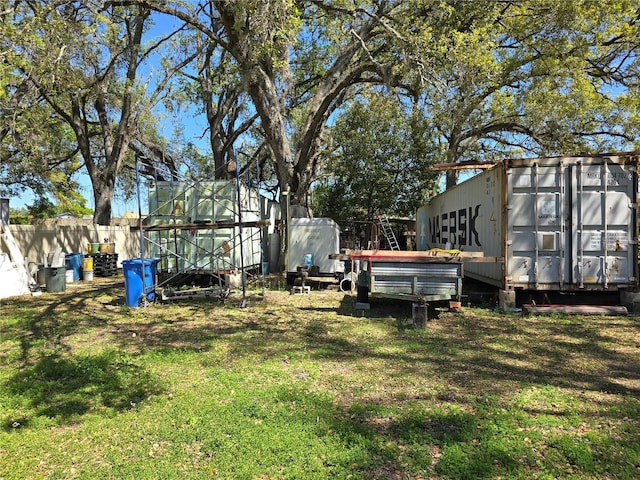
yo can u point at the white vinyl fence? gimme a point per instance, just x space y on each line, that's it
34 241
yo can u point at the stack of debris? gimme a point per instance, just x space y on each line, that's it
105 264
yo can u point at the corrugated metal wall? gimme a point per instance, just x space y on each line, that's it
561 223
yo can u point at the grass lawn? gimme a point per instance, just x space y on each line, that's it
304 387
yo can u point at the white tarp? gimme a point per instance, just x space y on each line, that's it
14 277
12 282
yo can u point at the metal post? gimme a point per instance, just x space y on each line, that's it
244 287
142 253
262 237
287 227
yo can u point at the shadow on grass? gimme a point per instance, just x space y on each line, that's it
65 388
472 351
52 317
360 440
54 380
479 351
470 356
304 434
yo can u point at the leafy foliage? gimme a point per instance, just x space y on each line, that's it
379 163
527 78
79 64
85 84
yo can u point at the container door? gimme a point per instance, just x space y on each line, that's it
553 265
603 227
536 226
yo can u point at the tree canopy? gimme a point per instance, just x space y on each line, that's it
379 164
314 92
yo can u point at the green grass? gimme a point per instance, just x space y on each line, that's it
305 386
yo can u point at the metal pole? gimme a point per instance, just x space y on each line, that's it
144 283
263 240
284 240
244 287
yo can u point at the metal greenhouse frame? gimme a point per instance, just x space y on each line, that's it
208 236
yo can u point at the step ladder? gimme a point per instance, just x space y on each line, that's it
387 231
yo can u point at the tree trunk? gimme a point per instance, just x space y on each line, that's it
451 179
103 195
451 176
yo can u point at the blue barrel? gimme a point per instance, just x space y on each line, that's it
73 261
133 281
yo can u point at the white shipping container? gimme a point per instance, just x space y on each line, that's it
317 237
560 223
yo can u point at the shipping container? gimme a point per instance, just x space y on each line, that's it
311 241
559 223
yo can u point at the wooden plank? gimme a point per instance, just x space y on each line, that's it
435 255
339 256
575 309
412 297
399 254
469 165
482 259
202 226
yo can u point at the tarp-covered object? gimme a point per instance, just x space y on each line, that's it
12 282
14 277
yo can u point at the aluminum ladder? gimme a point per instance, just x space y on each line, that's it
387 231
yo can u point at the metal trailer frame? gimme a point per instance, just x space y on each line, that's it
420 277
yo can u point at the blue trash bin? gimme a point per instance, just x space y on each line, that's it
133 281
73 261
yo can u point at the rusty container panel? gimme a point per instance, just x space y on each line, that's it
561 223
